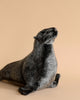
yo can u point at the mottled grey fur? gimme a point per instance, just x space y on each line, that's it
38 69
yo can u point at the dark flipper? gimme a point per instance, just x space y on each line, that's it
56 81
25 91
0 76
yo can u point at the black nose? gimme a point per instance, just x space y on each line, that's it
55 32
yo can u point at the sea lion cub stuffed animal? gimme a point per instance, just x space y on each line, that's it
37 70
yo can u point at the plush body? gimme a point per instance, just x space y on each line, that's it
38 69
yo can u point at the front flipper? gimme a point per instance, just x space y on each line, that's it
24 90
55 82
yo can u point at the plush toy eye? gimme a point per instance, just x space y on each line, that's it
42 32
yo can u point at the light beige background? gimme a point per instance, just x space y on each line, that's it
20 20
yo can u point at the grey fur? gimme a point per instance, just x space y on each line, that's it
51 64
38 69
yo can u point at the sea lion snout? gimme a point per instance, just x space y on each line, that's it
54 30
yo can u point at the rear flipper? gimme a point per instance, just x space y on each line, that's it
0 76
55 82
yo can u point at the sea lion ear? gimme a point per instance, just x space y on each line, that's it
36 38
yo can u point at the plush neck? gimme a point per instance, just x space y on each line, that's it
37 49
40 49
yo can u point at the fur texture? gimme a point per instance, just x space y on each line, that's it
38 69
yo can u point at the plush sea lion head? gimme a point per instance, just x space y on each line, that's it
46 36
